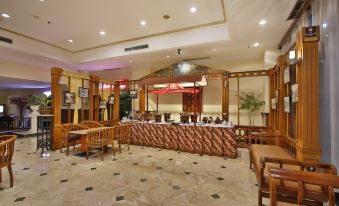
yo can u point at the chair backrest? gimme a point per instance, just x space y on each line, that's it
94 136
125 131
326 181
6 149
108 134
91 124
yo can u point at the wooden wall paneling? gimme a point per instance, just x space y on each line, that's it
69 105
56 106
82 103
271 115
116 111
282 62
142 90
308 146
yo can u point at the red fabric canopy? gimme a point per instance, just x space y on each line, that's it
174 88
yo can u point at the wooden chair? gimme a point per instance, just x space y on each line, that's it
91 124
303 180
100 138
110 123
66 138
122 134
6 153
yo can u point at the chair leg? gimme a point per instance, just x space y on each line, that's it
73 145
67 149
102 152
128 144
62 144
113 152
259 198
86 152
9 167
0 176
120 145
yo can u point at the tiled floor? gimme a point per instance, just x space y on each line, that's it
140 176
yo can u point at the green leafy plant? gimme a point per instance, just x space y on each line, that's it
252 103
41 100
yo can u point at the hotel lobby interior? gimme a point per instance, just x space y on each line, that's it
169 102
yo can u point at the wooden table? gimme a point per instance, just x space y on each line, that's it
83 133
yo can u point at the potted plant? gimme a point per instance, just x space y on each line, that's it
252 103
43 101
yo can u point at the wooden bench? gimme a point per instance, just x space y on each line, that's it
264 156
326 182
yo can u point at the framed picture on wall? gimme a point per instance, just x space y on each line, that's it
133 94
111 99
274 103
103 104
294 89
83 92
68 98
287 104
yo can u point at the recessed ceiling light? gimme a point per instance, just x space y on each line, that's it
42 0
324 25
143 23
256 44
214 49
193 9
102 33
168 56
70 41
5 15
130 61
262 22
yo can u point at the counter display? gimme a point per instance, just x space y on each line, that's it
215 140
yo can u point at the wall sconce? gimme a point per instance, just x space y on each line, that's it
291 55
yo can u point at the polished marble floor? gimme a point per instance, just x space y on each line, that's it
140 176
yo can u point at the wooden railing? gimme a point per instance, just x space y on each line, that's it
289 146
247 135
109 123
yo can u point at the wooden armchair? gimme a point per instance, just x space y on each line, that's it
91 124
303 180
110 123
100 138
286 188
6 153
66 138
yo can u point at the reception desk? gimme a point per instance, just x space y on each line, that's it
205 139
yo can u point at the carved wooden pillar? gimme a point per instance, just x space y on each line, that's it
308 147
56 106
142 90
225 98
93 98
116 111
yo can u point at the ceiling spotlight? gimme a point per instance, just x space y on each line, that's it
168 56
256 44
262 22
5 15
143 23
193 9
103 33
70 41
214 49
42 0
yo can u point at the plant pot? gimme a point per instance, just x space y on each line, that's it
45 110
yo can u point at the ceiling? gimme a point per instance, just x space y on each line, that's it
81 22
13 83
57 21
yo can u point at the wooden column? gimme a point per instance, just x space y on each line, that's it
225 98
308 147
116 109
271 115
56 106
282 64
93 98
142 90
